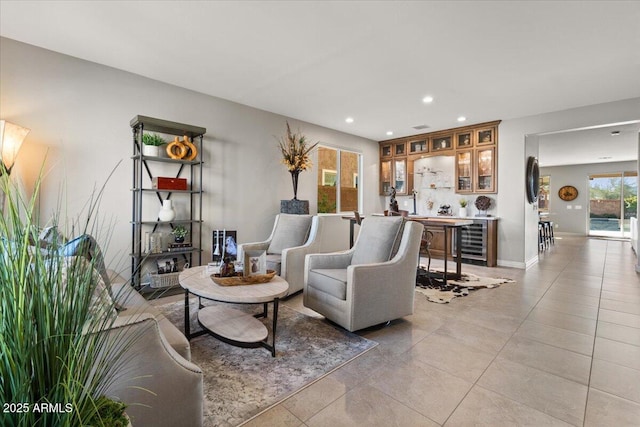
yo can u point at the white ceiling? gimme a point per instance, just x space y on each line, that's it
374 61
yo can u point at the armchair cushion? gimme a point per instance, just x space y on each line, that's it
290 231
331 281
378 239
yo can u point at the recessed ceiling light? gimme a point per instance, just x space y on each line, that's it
462 118
615 133
389 133
427 99
349 120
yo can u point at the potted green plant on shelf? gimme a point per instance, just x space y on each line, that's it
151 143
463 208
179 233
56 363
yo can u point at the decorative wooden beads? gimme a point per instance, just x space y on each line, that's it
182 150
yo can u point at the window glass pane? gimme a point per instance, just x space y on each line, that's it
349 181
327 180
401 176
338 180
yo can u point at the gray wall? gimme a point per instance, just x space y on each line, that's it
79 114
576 220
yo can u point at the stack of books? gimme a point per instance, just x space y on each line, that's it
177 247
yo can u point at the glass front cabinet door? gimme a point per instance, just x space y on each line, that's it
464 172
485 179
385 177
400 175
386 150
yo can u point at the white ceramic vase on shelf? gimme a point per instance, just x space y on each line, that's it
462 212
166 213
150 150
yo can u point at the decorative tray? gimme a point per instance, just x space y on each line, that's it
239 279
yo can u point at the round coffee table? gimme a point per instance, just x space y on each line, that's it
232 326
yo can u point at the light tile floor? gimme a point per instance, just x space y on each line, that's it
559 347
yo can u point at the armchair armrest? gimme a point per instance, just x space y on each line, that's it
328 260
151 374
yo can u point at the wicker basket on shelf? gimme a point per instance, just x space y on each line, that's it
166 280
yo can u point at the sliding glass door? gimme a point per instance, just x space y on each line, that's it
613 200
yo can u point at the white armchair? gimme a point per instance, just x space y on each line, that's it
289 234
373 282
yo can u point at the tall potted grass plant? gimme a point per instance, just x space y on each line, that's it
55 361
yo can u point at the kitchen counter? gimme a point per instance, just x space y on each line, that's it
488 218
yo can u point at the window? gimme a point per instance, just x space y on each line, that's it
613 200
338 180
543 194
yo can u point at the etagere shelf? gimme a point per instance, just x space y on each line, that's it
145 219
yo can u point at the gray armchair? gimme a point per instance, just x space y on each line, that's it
285 247
371 283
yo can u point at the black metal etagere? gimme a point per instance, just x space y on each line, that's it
144 170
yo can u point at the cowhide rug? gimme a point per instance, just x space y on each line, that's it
435 291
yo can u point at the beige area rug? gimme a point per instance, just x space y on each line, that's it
240 383
435 291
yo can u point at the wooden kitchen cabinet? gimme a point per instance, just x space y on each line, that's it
394 168
479 243
474 148
485 170
464 171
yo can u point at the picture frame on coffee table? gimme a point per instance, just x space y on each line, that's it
255 263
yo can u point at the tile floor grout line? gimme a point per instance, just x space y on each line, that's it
595 334
525 318
475 383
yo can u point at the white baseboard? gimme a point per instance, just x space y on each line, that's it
533 261
512 264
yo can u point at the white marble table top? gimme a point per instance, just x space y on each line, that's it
197 280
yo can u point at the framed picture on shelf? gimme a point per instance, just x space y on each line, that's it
224 244
167 265
255 263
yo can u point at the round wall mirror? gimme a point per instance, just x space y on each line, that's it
532 179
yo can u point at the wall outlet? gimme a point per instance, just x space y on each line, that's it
569 207
578 207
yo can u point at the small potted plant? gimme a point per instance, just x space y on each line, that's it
179 233
463 208
151 143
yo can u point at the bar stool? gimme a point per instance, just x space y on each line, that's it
545 234
552 239
425 244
